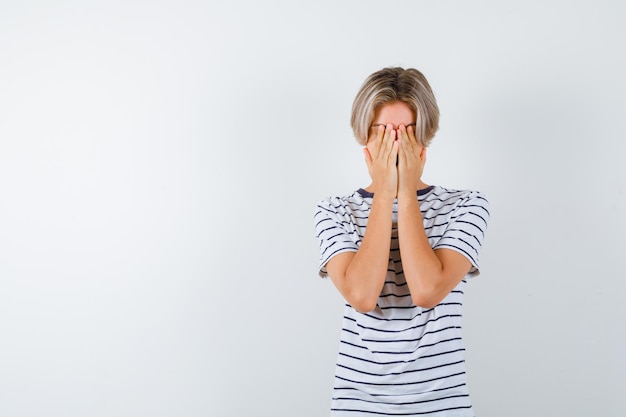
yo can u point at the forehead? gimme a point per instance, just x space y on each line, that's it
395 113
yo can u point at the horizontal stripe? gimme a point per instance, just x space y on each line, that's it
393 384
417 326
448 388
410 371
424 346
414 339
397 362
417 413
402 403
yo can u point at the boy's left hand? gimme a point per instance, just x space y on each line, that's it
411 160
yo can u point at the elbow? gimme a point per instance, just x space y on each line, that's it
427 298
363 303
365 307
425 302
363 298
426 293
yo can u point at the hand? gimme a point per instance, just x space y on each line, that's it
411 160
381 157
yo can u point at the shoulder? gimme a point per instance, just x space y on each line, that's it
342 205
458 198
460 222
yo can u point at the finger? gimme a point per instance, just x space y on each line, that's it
387 142
377 139
400 132
374 137
411 133
381 137
392 146
409 146
402 152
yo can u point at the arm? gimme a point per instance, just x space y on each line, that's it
430 274
360 276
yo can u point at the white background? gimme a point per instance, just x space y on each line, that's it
160 162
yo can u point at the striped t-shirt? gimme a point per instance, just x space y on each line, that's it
401 359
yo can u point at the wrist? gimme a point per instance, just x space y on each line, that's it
407 193
384 197
384 192
408 201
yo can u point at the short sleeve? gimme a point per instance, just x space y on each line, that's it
466 231
332 230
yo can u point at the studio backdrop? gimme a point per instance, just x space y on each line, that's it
160 163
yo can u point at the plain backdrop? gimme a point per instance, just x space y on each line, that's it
160 162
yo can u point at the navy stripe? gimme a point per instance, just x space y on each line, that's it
421 312
401 361
395 395
454 339
395 295
405 329
403 403
417 339
397 384
411 371
416 413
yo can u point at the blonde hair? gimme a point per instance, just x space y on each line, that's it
390 85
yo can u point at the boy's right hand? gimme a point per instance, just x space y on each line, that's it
381 153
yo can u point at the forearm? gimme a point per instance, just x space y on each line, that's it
423 270
365 276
